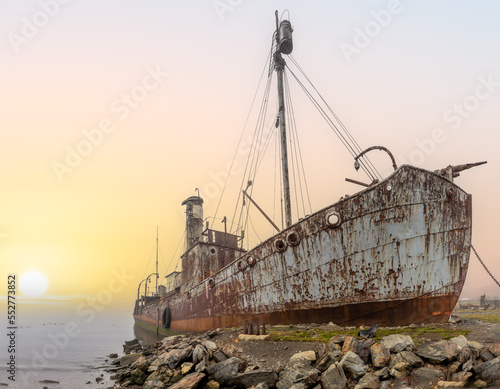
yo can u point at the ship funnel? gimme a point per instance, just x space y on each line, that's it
194 220
286 43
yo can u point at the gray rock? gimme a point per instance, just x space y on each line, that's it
210 346
304 358
127 360
191 381
138 376
131 345
486 355
172 340
427 375
437 352
329 359
469 365
255 377
225 371
399 366
141 363
351 344
174 358
476 347
364 349
464 354
494 349
454 367
489 371
383 373
461 376
200 353
353 365
298 375
414 360
219 356
334 377
380 355
461 341
397 342
369 381
153 384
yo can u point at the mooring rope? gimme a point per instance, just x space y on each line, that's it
482 263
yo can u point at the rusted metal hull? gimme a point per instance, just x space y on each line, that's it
395 253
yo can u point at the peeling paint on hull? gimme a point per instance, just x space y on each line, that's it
398 255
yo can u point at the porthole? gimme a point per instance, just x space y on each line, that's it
188 295
333 219
280 245
212 250
211 282
251 261
293 238
242 265
388 187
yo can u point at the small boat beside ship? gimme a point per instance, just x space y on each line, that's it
394 253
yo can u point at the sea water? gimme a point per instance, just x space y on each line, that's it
63 346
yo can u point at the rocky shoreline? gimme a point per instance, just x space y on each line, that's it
226 358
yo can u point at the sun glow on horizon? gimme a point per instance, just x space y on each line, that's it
33 283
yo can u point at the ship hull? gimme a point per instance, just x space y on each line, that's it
396 253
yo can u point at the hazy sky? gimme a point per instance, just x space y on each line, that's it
113 112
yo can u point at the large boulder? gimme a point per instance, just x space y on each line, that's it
334 377
252 378
191 381
304 358
127 360
174 358
350 344
329 359
397 342
380 355
299 375
488 371
368 381
425 376
495 349
437 352
224 372
353 365
200 354
461 341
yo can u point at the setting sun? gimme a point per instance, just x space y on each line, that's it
33 283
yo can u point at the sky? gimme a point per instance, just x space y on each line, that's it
112 113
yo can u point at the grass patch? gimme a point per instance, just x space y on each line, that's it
492 317
320 335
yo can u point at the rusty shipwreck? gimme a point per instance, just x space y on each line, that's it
395 253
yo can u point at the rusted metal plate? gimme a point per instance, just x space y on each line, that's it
399 255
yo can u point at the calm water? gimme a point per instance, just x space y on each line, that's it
65 347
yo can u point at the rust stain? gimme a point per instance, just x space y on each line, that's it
398 255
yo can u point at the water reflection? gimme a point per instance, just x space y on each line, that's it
148 337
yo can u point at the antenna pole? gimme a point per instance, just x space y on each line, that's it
279 65
156 260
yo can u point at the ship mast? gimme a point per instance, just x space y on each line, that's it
156 290
283 45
